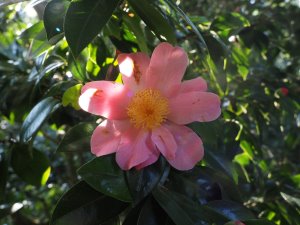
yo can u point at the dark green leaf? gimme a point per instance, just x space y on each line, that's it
152 214
204 184
77 138
84 20
231 210
5 210
221 162
104 175
31 165
142 182
37 117
82 205
184 211
54 17
3 175
154 20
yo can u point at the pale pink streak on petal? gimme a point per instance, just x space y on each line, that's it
105 98
166 69
106 137
134 148
196 84
164 141
194 106
133 68
189 147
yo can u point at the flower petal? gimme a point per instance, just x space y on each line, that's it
194 106
166 69
105 98
152 159
132 67
134 148
106 137
164 141
196 84
189 147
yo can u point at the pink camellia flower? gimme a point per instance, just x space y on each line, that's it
145 116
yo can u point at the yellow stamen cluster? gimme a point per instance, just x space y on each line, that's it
148 109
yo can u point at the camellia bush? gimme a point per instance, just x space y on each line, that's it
149 112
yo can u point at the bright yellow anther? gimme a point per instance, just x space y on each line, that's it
148 109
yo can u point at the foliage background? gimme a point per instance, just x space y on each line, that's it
247 50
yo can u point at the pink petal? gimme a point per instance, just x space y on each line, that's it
164 141
132 67
105 98
196 84
166 69
152 159
194 106
189 147
106 137
134 148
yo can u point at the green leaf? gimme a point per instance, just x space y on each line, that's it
37 117
54 15
134 24
82 205
293 201
251 222
31 165
84 20
142 182
229 24
152 214
184 211
191 183
154 20
247 149
104 175
3 175
71 96
231 210
221 162
202 43
77 138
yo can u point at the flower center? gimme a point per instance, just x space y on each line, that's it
148 109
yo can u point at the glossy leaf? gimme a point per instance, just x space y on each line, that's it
154 20
231 210
82 205
142 182
54 15
204 184
31 165
184 211
104 175
37 117
84 20
77 138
